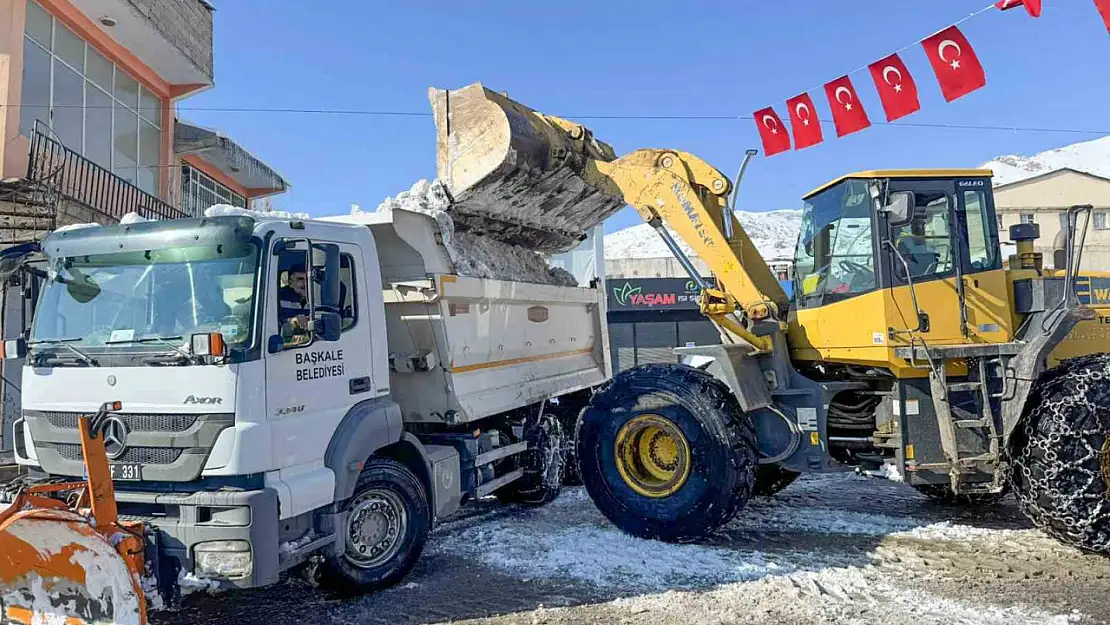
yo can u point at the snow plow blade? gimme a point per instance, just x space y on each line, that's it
55 567
517 175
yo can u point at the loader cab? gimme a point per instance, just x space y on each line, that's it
892 255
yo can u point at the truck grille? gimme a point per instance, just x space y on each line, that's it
135 422
141 455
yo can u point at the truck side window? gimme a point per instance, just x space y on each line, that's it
294 305
348 296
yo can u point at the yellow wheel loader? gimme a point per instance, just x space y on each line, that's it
911 349
65 556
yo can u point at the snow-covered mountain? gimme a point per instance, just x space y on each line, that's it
1092 157
775 233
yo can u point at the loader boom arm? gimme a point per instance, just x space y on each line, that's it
690 196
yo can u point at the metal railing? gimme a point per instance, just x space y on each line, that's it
72 176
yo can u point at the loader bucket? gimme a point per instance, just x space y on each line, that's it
516 175
56 567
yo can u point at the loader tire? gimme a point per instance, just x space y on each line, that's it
388 512
544 464
666 453
942 494
1060 469
771 478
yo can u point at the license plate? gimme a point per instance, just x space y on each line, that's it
129 471
126 471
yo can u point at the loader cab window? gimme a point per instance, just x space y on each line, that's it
835 257
926 242
982 238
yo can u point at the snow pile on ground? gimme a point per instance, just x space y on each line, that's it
1092 157
774 233
828 595
475 256
190 583
793 558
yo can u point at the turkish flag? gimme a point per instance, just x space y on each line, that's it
847 110
1033 7
1103 7
771 131
958 70
896 87
803 120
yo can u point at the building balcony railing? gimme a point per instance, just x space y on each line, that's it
74 177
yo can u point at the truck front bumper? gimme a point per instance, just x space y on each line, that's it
228 537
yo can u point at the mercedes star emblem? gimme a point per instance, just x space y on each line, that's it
115 437
111 380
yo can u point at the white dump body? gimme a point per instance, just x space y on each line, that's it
464 348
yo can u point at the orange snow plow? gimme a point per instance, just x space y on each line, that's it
65 557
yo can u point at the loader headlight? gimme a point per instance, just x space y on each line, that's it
223 559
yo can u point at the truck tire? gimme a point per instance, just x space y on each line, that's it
388 519
942 494
666 453
1060 469
771 478
544 464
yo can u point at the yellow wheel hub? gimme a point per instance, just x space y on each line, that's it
653 456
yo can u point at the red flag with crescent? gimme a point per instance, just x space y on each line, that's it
896 87
847 110
958 69
1033 7
771 131
803 121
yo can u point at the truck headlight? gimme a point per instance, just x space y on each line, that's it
223 559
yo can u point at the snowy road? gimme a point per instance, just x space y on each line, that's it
829 549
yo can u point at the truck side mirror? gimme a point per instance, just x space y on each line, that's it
328 326
325 272
899 208
12 258
13 348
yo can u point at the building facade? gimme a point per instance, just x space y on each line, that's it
88 90
89 131
1044 200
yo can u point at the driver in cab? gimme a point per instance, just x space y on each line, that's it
293 307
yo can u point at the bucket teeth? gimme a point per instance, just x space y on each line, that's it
517 175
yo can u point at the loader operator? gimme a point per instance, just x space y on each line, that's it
293 306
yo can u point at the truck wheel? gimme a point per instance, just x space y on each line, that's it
1061 453
942 493
666 453
771 478
387 524
544 464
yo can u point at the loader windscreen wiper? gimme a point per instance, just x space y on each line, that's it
81 356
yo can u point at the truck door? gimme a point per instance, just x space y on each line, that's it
311 383
924 252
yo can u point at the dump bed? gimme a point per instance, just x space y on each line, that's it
463 348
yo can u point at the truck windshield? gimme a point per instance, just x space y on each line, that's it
834 259
156 298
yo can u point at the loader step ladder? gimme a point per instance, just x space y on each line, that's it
981 359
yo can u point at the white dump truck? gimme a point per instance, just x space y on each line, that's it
254 436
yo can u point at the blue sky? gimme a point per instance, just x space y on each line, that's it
617 57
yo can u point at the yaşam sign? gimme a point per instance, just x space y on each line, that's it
653 294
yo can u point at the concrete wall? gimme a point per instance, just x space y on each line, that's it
187 24
1046 197
13 152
